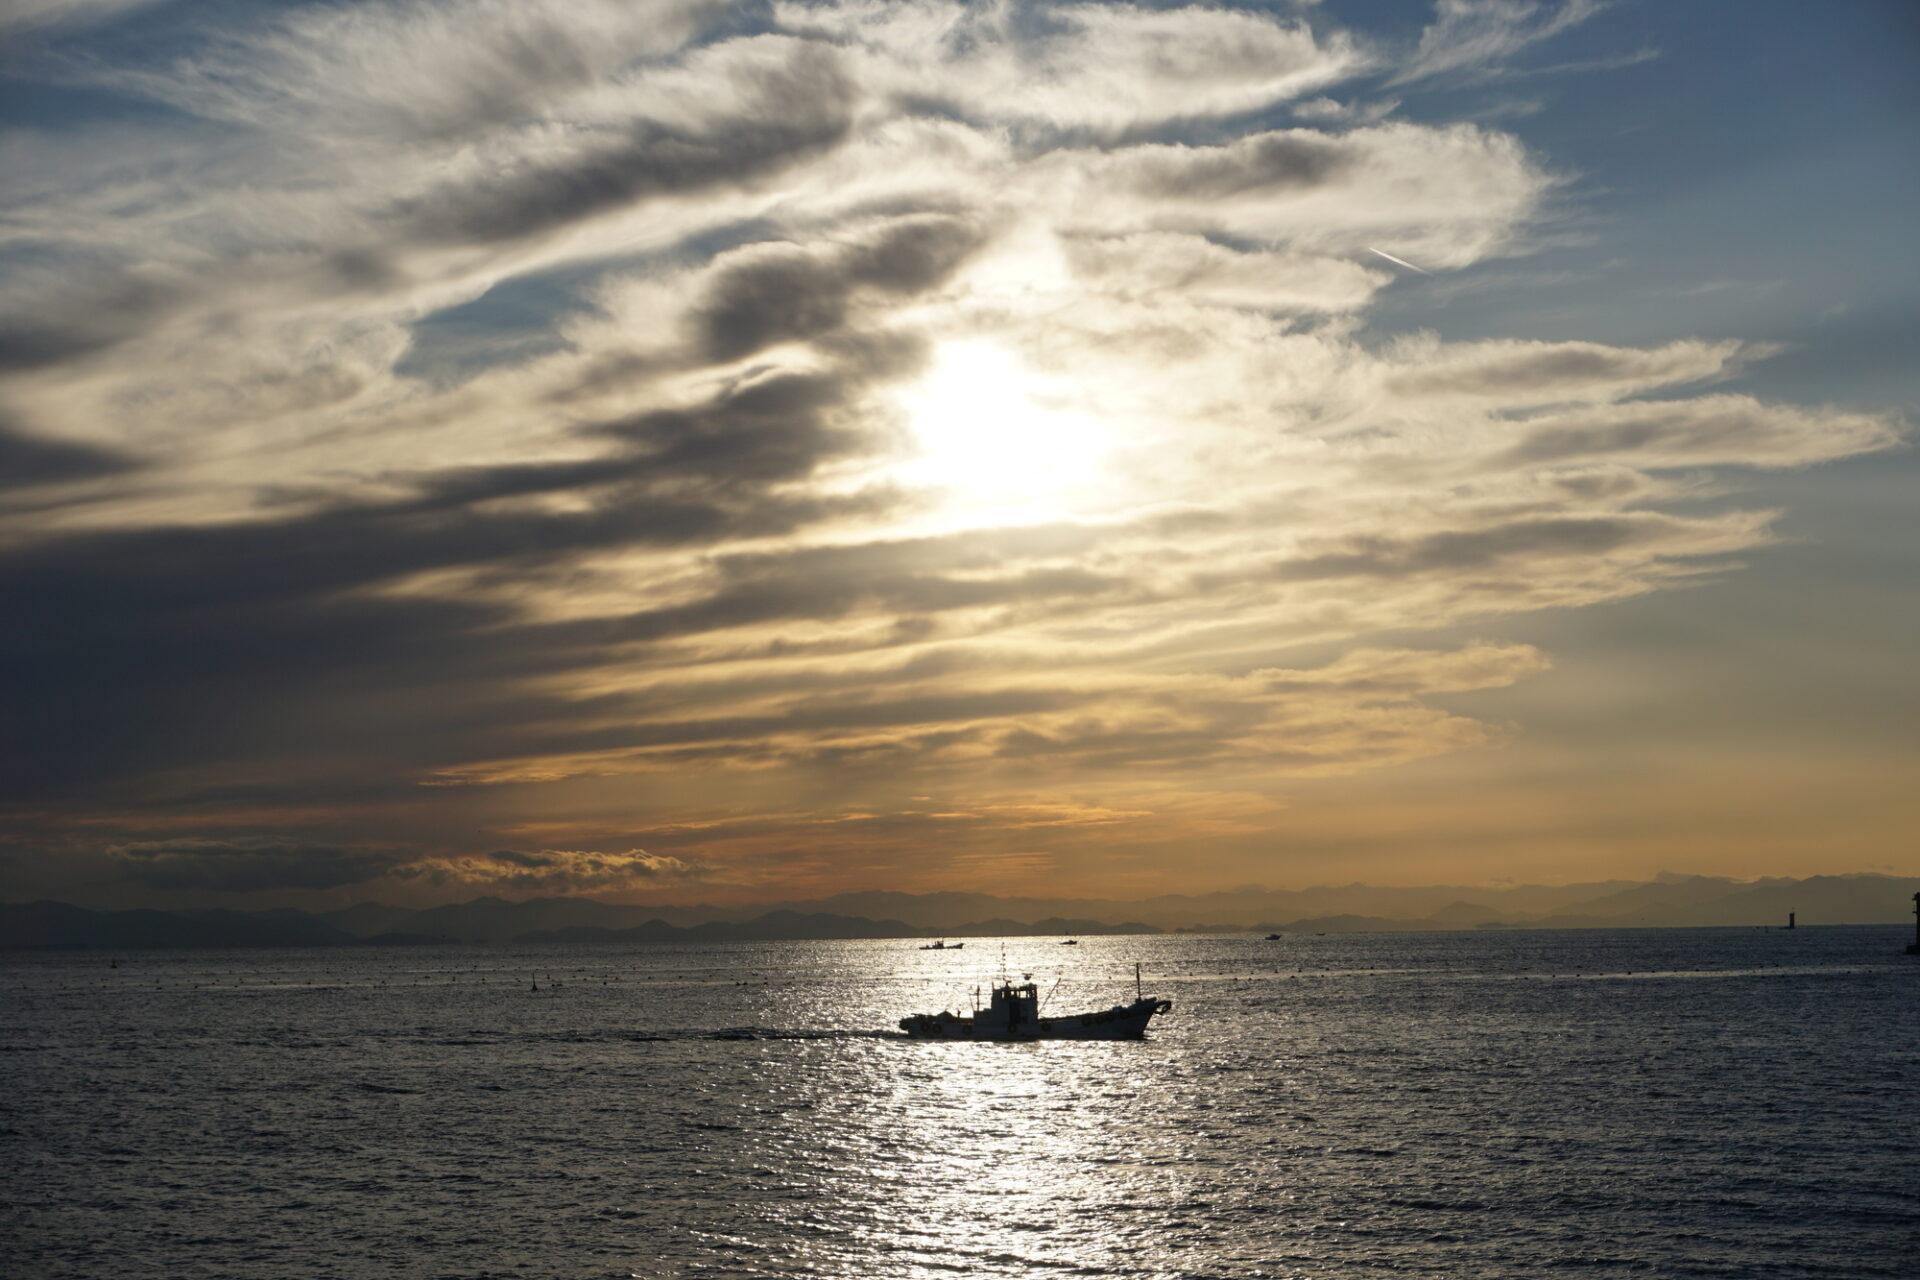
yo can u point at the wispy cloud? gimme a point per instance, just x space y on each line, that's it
251 865
929 401
30 17
1478 37
559 871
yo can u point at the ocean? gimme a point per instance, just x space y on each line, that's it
1706 1102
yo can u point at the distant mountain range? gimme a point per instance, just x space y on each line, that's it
1670 900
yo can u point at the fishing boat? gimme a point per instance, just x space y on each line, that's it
943 946
1014 1013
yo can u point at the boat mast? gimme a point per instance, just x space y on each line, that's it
1137 993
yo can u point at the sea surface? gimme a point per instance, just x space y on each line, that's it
1710 1102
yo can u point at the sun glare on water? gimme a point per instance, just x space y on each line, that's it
997 439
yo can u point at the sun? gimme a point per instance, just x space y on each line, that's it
996 439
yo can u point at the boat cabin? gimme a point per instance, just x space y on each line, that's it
1014 1005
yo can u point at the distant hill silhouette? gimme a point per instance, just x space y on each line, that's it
1670 900
1346 923
56 924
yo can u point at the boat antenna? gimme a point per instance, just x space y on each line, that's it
1137 993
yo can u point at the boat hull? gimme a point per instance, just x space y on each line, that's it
1122 1022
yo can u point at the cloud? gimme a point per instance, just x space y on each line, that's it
946 400
1534 542
1708 430
397 73
772 292
265 864
1084 66
26 461
220 616
29 17
49 330
564 871
1514 373
1447 196
1469 37
251 865
1162 264
789 103
1328 109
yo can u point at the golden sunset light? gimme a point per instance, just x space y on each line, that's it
1001 444
665 457
889 639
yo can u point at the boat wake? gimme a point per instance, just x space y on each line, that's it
757 1033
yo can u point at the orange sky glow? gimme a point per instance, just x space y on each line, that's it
907 447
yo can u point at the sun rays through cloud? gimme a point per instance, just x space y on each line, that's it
1000 443
675 427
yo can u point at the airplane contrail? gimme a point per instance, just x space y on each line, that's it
1401 261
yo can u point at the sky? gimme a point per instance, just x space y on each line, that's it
689 451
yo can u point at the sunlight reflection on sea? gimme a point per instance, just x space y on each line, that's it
1691 1102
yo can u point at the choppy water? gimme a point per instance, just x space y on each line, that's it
1710 1103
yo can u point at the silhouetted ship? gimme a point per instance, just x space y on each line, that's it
1014 1014
943 946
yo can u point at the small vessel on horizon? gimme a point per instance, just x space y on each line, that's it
1014 1013
943 945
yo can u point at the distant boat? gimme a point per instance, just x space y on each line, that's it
1273 937
943 946
1013 1013
1070 942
